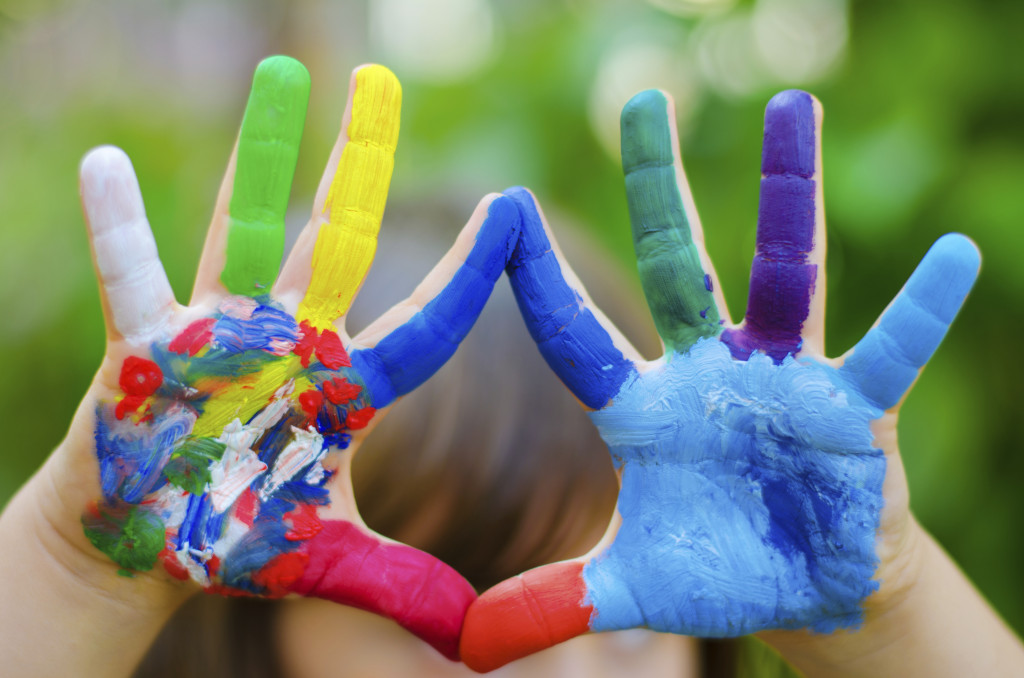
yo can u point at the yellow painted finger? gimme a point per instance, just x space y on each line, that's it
355 201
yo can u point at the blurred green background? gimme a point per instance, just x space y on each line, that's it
923 135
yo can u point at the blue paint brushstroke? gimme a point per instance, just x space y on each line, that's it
568 335
751 495
267 325
132 457
410 354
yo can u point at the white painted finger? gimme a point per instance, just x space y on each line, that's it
137 298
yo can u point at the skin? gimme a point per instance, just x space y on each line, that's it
107 604
742 508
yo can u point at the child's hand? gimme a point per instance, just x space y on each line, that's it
761 484
215 442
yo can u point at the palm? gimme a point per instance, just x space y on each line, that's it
752 476
756 492
218 439
223 431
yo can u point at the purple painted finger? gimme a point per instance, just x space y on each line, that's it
785 270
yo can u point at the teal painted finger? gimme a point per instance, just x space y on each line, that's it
268 148
678 291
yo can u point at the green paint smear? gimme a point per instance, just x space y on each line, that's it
131 537
268 149
189 468
667 258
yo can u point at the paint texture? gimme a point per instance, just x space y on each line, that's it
422 594
750 498
567 333
355 201
433 333
885 363
525 614
211 457
751 488
671 273
268 149
781 277
216 445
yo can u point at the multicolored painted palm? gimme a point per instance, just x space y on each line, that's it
761 484
224 430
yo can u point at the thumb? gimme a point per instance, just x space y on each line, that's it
528 613
346 565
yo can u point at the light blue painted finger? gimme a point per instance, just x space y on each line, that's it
886 361
568 335
414 351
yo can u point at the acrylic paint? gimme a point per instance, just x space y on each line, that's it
214 467
673 279
355 202
782 279
268 148
569 336
750 498
751 488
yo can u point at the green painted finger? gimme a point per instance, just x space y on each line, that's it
268 148
678 292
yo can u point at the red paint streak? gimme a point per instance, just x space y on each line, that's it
352 567
245 507
330 351
140 377
357 419
311 401
525 614
280 573
171 564
307 342
340 390
328 347
194 337
305 523
128 405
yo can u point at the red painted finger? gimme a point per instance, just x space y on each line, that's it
346 565
525 614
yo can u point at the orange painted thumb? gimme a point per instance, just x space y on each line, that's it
525 614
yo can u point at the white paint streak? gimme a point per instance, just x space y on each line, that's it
237 468
307 447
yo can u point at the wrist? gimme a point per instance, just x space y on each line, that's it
926 619
72 613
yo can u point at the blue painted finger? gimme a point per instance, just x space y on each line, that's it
414 351
782 278
571 339
886 361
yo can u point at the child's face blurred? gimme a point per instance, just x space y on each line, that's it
323 640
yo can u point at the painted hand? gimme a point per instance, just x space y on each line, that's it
223 431
760 482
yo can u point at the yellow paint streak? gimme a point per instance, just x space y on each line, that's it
247 395
355 201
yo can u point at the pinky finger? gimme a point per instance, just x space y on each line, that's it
885 363
137 299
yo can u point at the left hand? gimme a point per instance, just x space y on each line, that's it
761 481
